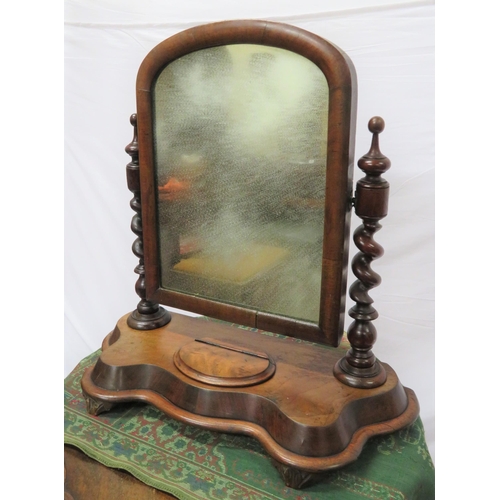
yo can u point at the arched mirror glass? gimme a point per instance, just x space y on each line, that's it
240 150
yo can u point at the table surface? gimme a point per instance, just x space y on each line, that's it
88 479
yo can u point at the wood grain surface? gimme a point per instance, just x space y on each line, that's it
302 415
223 364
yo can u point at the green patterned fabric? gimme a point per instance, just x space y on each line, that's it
195 464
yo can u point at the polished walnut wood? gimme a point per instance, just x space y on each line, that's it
223 363
303 416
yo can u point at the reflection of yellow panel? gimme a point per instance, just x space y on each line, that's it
236 268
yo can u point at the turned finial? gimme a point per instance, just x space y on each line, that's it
132 149
374 163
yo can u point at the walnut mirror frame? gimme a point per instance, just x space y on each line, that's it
311 406
341 83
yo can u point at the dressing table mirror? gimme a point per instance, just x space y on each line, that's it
241 172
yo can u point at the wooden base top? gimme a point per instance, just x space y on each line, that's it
301 413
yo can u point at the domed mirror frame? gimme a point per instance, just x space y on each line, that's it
341 80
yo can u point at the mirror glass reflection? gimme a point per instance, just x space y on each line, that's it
240 157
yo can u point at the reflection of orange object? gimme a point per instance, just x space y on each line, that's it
188 245
174 189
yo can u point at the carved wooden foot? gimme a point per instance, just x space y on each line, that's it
296 478
95 406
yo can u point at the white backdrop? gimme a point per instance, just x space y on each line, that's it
392 48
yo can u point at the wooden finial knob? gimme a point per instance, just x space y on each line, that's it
376 125
374 162
133 148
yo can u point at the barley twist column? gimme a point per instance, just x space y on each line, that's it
359 367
